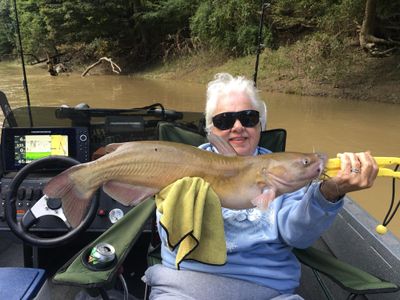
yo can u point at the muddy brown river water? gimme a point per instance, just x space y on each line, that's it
313 123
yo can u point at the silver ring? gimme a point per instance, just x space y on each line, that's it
355 170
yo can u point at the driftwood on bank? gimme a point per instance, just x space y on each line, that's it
114 66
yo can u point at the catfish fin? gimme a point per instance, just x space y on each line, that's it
223 146
74 198
260 179
263 200
112 147
128 194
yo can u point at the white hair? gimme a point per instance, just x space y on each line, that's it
222 85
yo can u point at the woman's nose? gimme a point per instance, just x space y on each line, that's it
237 125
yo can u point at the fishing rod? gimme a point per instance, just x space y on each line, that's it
25 81
260 44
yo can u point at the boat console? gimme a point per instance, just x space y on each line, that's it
79 133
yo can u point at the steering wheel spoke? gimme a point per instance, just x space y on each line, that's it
28 219
45 206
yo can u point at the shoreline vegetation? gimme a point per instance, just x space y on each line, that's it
354 76
342 49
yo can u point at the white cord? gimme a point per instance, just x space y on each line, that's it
124 286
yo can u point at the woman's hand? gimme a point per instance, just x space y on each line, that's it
357 171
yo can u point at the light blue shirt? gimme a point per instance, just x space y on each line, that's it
259 243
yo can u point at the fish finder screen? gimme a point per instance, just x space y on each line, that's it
32 147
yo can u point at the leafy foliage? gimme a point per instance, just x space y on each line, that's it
230 25
343 17
6 29
144 31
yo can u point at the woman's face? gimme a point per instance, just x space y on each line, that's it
243 139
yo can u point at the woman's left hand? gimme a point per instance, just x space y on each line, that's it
357 172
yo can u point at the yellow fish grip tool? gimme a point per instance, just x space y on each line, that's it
333 166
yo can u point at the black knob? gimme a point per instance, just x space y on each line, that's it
37 194
53 203
21 194
29 194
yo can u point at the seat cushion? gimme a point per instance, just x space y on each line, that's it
20 283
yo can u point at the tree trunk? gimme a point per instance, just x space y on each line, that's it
368 40
369 23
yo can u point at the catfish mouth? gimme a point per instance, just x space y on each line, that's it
323 159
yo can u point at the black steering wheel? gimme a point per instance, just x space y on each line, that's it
43 207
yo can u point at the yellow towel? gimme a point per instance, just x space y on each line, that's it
192 218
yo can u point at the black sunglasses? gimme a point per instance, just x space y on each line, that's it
226 120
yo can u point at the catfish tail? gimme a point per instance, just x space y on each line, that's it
73 191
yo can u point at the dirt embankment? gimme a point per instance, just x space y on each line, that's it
353 76
302 69
378 80
388 92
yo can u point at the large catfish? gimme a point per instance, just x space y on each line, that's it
136 170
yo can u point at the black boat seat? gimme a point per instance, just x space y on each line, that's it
273 139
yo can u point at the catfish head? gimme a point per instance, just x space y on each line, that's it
287 172
291 171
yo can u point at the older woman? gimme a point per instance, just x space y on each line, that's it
260 263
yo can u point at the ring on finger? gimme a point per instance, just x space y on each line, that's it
355 170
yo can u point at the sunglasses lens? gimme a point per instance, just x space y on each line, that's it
226 120
249 118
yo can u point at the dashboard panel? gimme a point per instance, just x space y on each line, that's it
80 134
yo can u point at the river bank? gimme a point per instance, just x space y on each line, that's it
354 76
297 70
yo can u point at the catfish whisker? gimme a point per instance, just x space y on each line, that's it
325 178
324 175
308 186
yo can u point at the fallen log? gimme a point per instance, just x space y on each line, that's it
114 66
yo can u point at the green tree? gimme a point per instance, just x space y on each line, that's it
7 41
230 25
34 34
376 36
162 25
143 31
